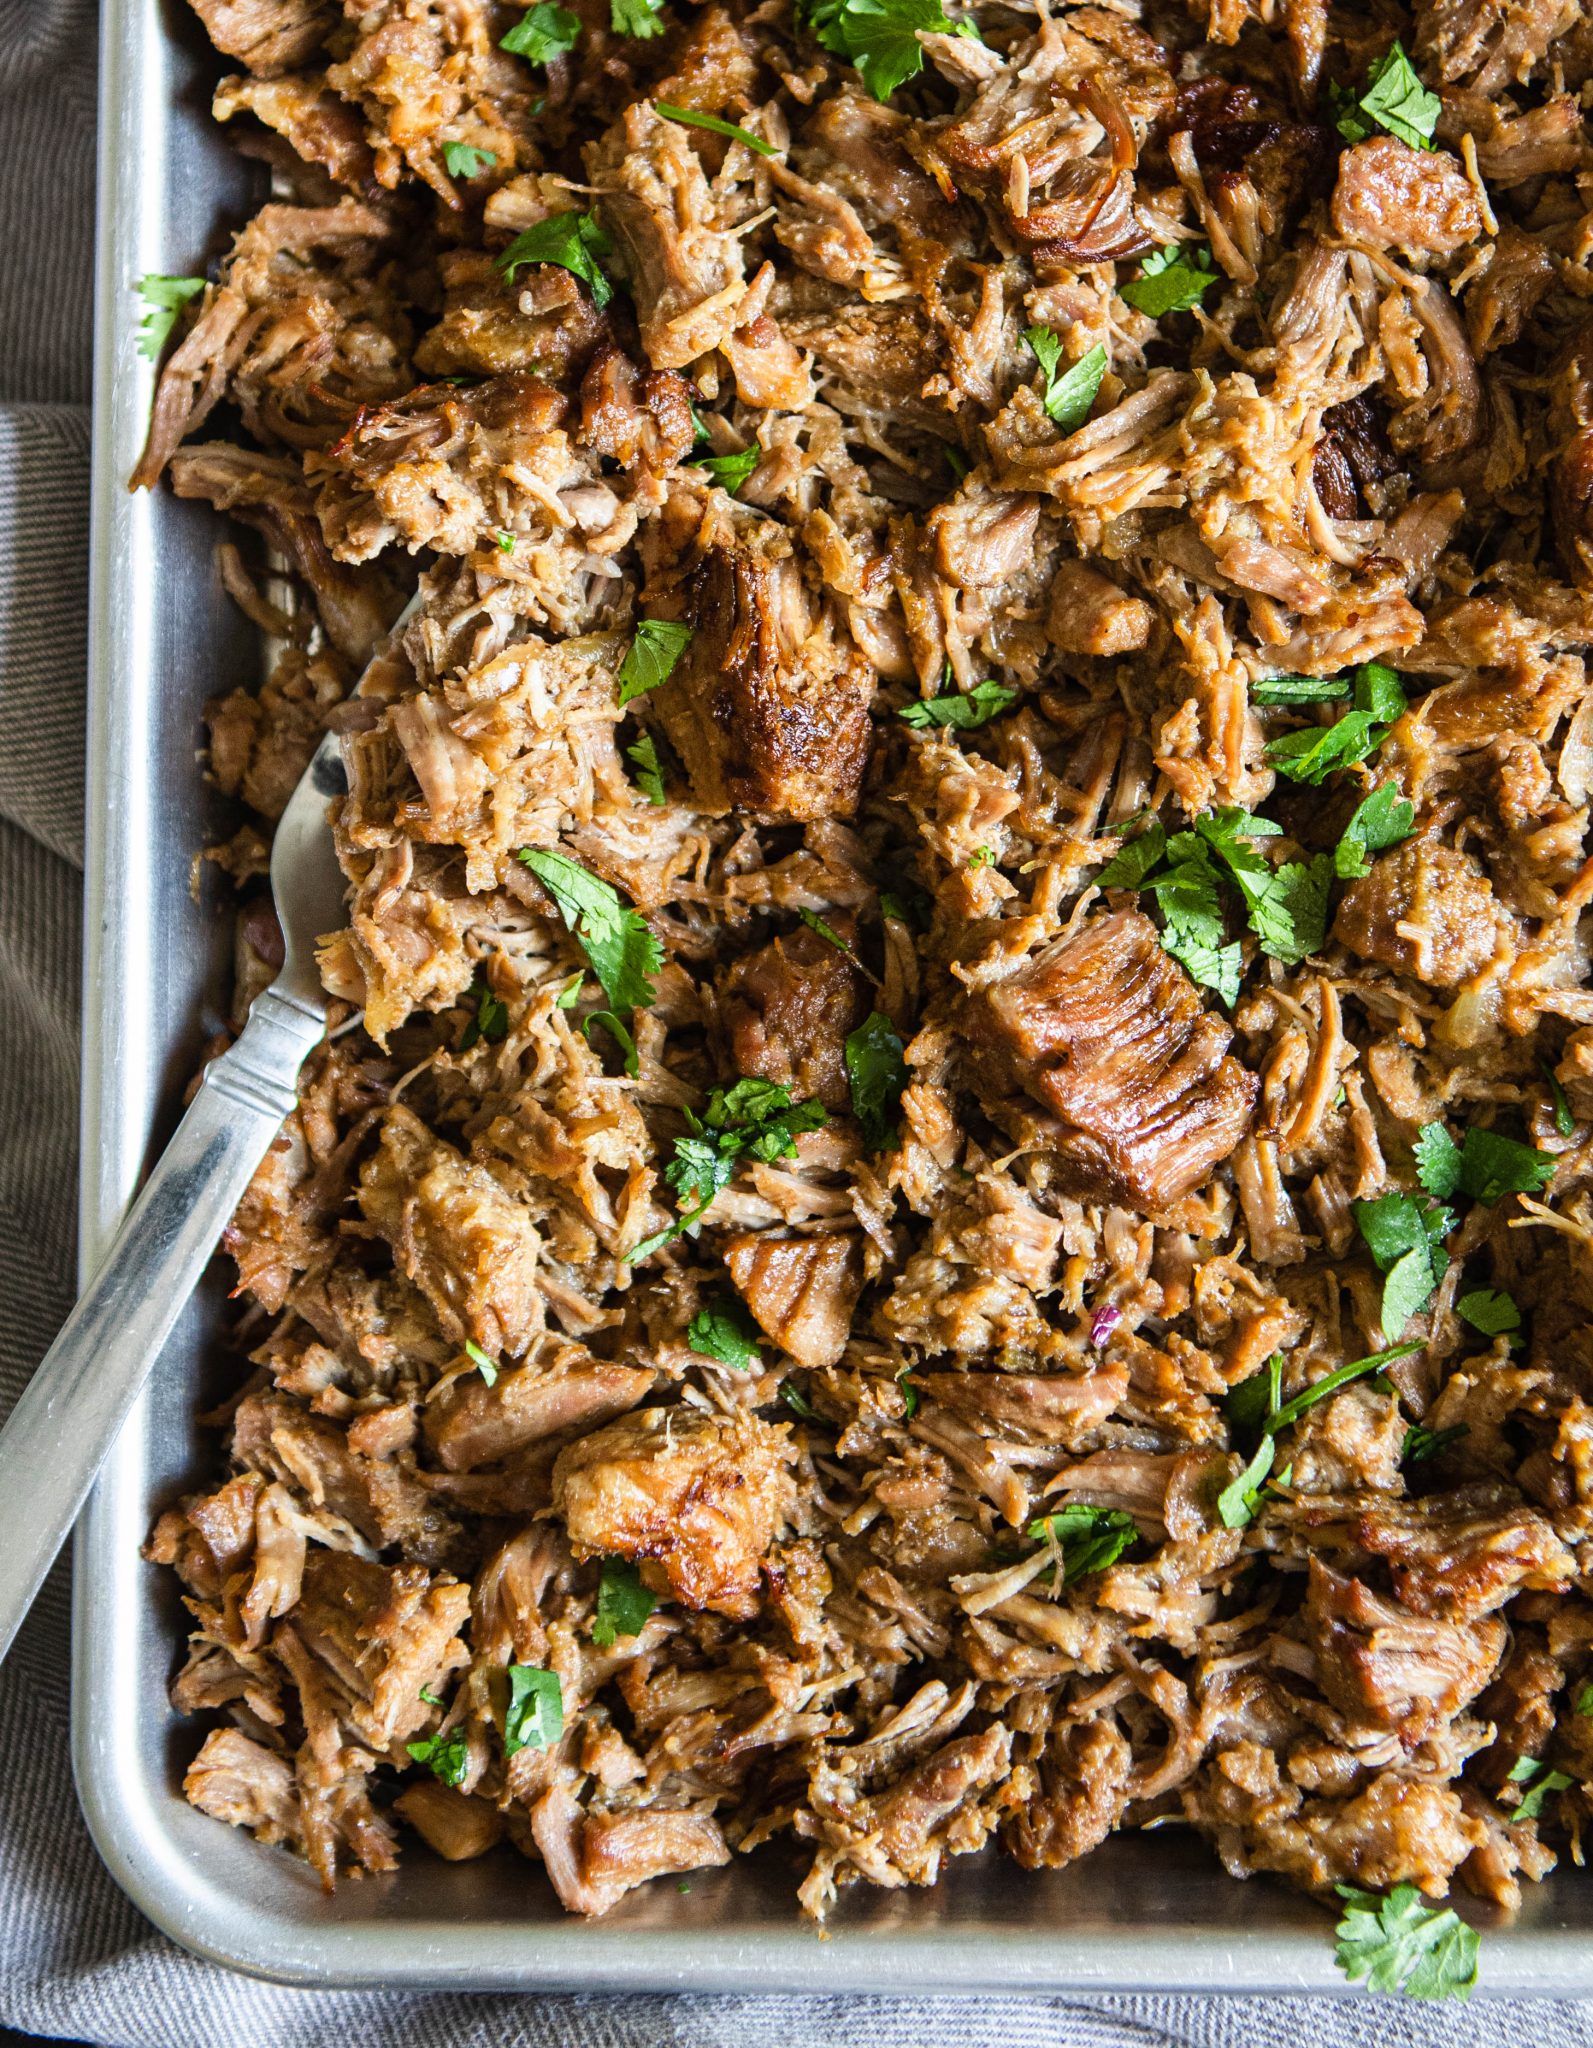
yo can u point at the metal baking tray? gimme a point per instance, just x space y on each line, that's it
1149 1913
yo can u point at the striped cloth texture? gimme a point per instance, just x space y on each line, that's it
77 1961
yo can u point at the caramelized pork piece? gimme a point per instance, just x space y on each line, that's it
1084 1781
802 1290
246 1785
468 1245
1465 1553
458 1827
268 35
787 1011
1352 455
1051 1408
1571 478
1090 614
382 1633
768 705
634 417
1416 200
472 1424
695 1499
1378 1662
594 1859
1107 1030
1424 910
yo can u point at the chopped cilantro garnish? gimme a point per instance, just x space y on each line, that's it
484 1363
623 1603
1583 1703
643 756
1299 689
981 857
542 33
164 298
828 933
688 117
491 1020
1170 280
725 1330
623 952
445 1756
1405 1238
619 1031
534 1716
1489 1310
1239 1500
1379 821
1316 751
962 710
1485 1165
798 1403
573 241
1067 398
756 1118
1255 1400
880 37
639 18
658 645
1564 1121
1399 1943
731 471
1421 1444
909 1395
878 1074
956 461
1089 1538
461 161
1537 1781
1395 100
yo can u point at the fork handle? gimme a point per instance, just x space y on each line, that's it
71 1410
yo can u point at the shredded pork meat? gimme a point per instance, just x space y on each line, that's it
1046 616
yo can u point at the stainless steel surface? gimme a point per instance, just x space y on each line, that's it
1152 1913
57 1435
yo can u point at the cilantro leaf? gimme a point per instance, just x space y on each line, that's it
1248 1404
1400 1944
445 1756
725 1330
487 1366
643 754
981 857
956 461
798 1403
1421 1444
1299 689
650 660
878 1074
1331 1383
1396 100
1539 1781
1089 1538
620 1033
542 33
1489 1310
164 298
1170 280
1314 752
754 1117
1239 1500
1219 968
731 471
622 950
1564 1121
1289 916
1379 692
573 241
491 1021
1378 821
534 1716
461 161
1067 398
878 36
688 117
1129 866
962 710
623 1604
642 19
1583 1703
1486 1165
1406 1242
828 933
909 1395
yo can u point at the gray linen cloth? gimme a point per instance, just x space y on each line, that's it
76 1959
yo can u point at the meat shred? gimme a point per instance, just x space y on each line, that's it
778 1343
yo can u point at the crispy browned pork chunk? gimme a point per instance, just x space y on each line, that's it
949 1204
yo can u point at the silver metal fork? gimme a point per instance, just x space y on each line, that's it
68 1417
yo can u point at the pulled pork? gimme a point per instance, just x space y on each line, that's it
781 1341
